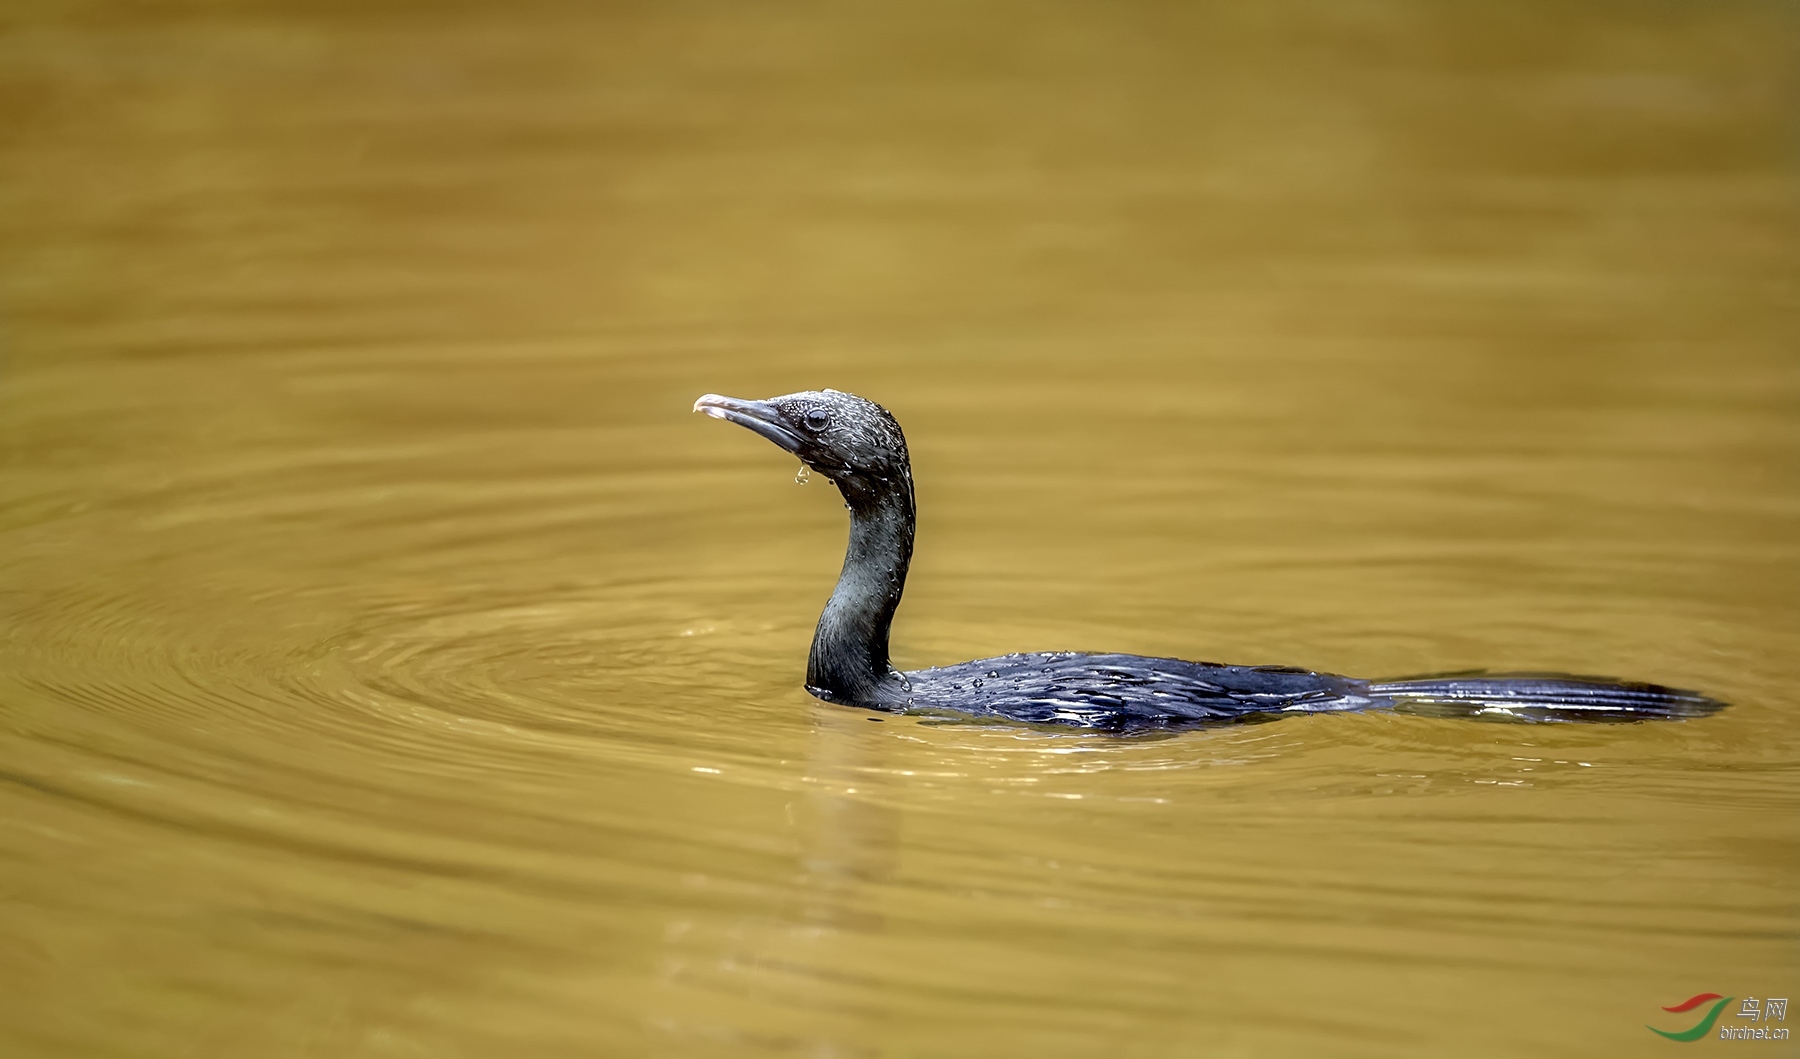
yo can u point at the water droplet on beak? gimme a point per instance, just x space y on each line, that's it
802 475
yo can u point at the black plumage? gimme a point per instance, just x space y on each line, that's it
859 446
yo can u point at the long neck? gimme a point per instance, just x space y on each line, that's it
849 661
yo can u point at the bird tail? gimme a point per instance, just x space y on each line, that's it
1532 697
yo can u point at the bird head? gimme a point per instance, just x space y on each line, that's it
849 439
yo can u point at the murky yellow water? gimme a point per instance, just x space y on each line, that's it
393 666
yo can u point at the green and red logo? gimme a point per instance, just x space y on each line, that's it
1701 1028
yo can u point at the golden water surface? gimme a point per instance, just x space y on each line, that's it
390 665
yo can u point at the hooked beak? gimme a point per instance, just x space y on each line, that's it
759 416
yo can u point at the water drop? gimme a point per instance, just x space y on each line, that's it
993 672
801 476
977 682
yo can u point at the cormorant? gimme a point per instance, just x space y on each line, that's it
858 445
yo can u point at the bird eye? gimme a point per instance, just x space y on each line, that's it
818 419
